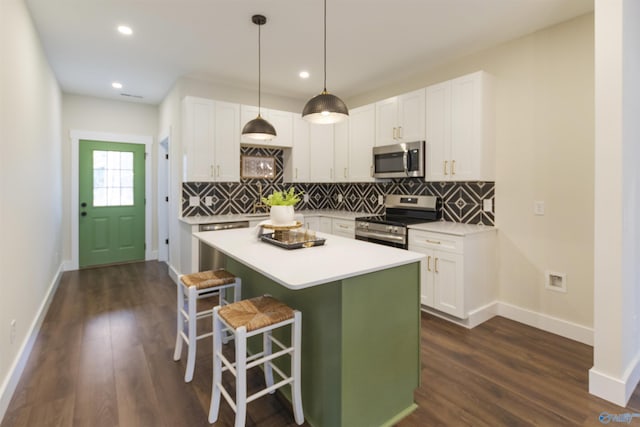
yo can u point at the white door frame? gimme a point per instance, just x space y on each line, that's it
76 137
164 179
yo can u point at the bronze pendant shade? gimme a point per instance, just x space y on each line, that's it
325 108
258 128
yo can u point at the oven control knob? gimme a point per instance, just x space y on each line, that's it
390 229
395 230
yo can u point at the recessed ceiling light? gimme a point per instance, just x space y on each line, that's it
123 29
304 74
116 85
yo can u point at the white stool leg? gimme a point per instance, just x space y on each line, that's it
214 407
241 377
237 290
180 322
296 390
268 372
192 327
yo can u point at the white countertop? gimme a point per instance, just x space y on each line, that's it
196 220
454 228
337 259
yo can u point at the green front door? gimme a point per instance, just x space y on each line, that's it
111 197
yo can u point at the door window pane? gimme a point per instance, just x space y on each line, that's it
112 178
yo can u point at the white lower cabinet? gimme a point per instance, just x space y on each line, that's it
458 276
326 225
312 222
344 228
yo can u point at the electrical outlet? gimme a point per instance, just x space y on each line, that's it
12 331
380 199
538 207
339 198
305 198
208 201
194 201
487 205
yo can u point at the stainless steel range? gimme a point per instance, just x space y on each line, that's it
390 229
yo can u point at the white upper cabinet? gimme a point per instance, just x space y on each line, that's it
321 153
400 118
282 121
361 141
460 139
341 149
296 159
211 140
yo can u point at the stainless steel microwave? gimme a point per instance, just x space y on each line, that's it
399 160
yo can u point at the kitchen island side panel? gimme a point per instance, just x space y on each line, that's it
360 344
321 324
380 345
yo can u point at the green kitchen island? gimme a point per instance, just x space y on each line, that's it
360 305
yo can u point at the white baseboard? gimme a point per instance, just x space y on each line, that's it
10 383
151 255
613 389
547 323
541 321
475 318
173 273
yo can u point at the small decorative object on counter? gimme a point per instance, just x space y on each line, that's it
281 206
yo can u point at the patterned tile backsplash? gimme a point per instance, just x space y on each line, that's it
461 201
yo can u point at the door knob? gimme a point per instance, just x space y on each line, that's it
83 204
83 214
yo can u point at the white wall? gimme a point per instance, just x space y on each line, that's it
30 187
108 116
616 369
544 151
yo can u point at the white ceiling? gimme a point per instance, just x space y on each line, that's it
370 43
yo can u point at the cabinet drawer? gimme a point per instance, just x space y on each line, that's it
343 227
438 241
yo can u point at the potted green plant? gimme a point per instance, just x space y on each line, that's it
281 205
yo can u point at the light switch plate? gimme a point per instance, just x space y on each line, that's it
380 199
305 198
538 207
208 201
487 205
339 198
194 201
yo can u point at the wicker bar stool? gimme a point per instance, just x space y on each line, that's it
196 286
245 319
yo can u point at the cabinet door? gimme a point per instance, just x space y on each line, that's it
282 121
199 136
386 121
411 116
426 278
341 152
320 153
361 138
312 223
227 142
438 128
448 283
466 138
297 161
326 225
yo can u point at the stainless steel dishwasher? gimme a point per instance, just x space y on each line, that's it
210 258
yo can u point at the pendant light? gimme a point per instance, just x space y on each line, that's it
258 128
325 108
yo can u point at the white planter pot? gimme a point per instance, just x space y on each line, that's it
281 215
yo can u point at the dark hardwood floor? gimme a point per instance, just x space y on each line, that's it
104 358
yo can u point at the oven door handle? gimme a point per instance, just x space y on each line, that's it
380 236
405 161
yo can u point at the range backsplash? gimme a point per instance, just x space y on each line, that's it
461 201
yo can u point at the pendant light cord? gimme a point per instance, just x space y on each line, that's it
259 69
325 45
